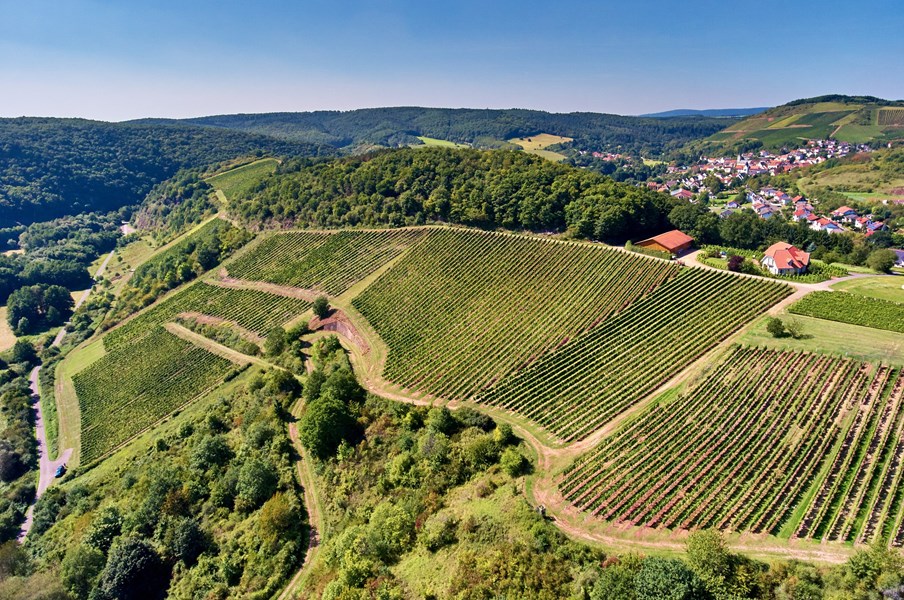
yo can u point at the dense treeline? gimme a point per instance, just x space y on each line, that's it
58 252
210 510
175 204
18 449
52 167
33 308
400 126
489 189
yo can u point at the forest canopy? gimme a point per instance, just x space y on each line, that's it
53 167
488 189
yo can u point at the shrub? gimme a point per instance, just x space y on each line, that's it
513 462
321 307
776 328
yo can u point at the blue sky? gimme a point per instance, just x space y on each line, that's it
128 59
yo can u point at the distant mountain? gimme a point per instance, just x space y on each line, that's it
855 119
711 112
481 128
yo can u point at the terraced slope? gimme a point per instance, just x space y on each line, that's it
327 262
125 392
771 441
573 391
253 310
463 309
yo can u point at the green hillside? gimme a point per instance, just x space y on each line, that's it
855 119
484 128
54 167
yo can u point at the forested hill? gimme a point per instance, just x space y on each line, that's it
489 189
53 167
485 128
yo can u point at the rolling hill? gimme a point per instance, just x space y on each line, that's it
708 112
54 167
483 128
855 119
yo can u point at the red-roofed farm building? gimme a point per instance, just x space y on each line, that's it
673 242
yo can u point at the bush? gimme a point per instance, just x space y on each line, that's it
325 423
438 531
882 260
667 579
321 307
513 462
133 571
776 328
735 263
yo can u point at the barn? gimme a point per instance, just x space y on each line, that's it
674 242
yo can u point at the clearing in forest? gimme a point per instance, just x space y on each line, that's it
240 181
538 144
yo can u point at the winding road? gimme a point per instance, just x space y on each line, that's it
46 467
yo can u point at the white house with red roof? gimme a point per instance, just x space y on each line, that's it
781 258
844 213
823 224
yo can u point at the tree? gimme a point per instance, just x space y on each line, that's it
795 329
775 327
321 307
882 260
23 351
104 529
324 425
256 483
735 263
134 571
440 419
513 462
275 342
667 579
80 568
709 558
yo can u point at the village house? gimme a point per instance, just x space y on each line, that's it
782 258
824 224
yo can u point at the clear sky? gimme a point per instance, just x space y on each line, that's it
132 58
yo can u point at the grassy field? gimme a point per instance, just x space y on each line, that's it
69 415
537 144
7 338
830 337
884 288
429 141
238 181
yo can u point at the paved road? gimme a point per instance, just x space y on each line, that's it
46 467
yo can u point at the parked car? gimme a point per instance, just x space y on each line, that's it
60 471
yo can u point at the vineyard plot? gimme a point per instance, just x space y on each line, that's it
253 310
576 389
326 262
131 389
765 434
463 309
852 308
